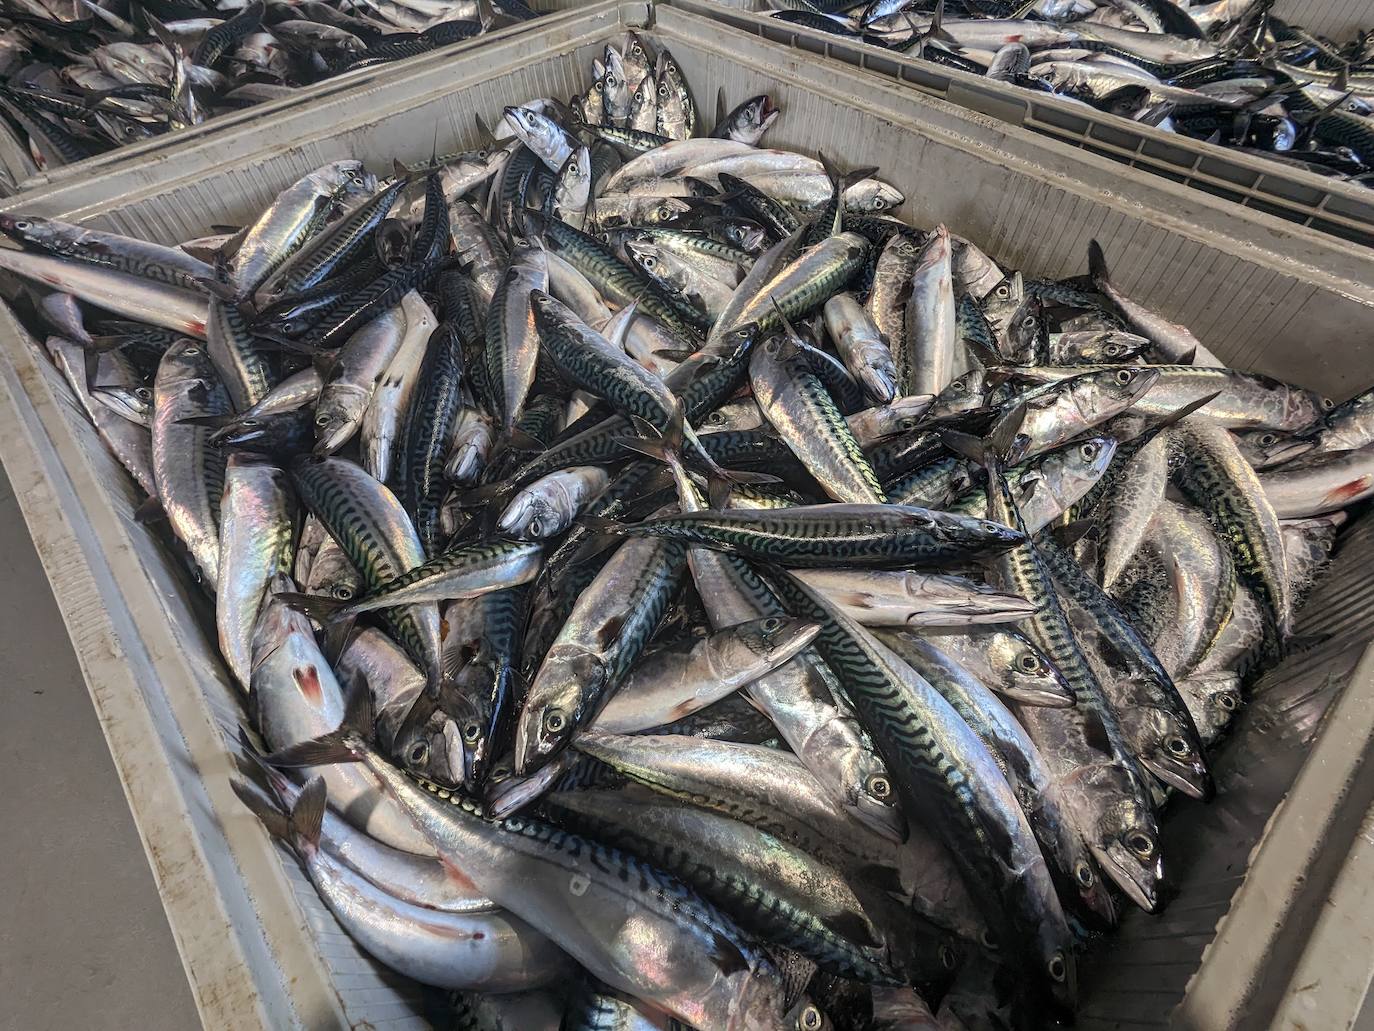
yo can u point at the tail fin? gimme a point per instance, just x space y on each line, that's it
263 808
321 608
307 815
486 15
1097 264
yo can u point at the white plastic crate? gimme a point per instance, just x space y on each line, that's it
1342 209
259 949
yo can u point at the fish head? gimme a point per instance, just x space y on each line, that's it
1100 395
1266 448
617 85
285 434
664 210
1106 348
746 651
645 255
1213 700
556 705
1131 859
1005 297
538 512
1168 748
574 180
739 414
1025 673
743 233
960 394
429 744
805 1015
534 129
26 229
347 180
871 795
338 414
1025 329
873 195
1072 469
979 534
752 119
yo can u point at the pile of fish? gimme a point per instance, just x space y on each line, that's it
650 566
80 77
1229 72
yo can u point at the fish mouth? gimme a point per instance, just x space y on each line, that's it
879 816
789 639
1046 697
1139 882
1191 778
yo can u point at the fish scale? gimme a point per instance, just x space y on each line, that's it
837 534
771 913
429 425
369 523
344 239
944 772
804 415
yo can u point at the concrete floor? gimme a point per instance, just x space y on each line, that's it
83 939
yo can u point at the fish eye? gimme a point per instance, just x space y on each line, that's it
663 91
193 351
472 732
343 592
1028 662
143 393
1112 350
1327 404
1088 450
322 419
1177 746
418 754
1028 322
770 624
535 527
947 957
1142 844
23 223
1002 291
555 721
1269 438
810 1019
1124 376
879 203
1228 701
1083 873
1057 968
649 261
878 786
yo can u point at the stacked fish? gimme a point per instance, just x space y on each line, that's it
652 566
1230 72
80 77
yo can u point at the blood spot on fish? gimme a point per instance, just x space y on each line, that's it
308 680
1348 492
457 876
478 935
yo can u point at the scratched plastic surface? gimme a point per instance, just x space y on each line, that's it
260 948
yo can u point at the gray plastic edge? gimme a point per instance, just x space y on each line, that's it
1247 971
229 931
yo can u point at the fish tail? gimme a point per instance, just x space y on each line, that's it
307 814
265 809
